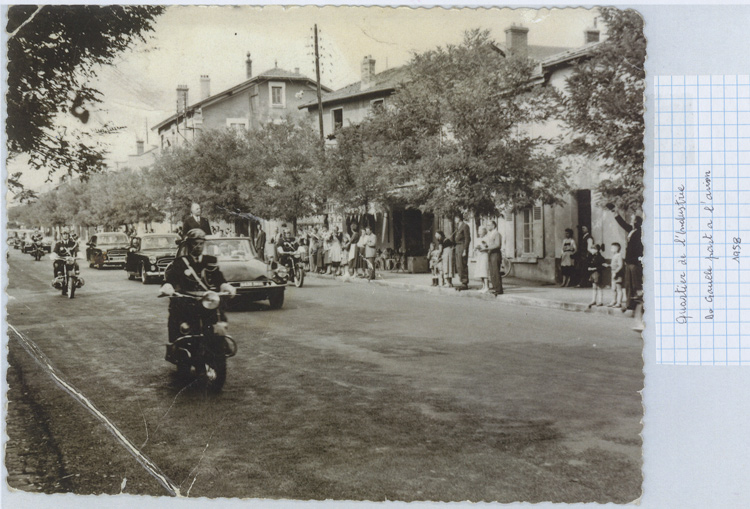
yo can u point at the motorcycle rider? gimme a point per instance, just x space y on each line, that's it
286 247
192 272
64 248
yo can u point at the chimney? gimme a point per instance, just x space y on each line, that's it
591 34
368 72
248 67
517 40
139 147
182 97
205 86
296 70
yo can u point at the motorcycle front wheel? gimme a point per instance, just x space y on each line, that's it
71 288
215 372
299 276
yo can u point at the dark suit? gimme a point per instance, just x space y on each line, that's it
633 281
260 244
462 239
190 223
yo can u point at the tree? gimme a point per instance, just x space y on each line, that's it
604 107
457 131
217 171
356 174
287 157
53 54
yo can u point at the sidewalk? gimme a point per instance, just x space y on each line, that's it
516 291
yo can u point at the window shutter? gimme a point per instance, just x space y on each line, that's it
538 231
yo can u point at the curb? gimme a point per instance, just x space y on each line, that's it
474 294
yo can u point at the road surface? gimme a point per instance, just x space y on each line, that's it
356 392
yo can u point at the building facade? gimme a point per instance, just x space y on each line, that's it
269 96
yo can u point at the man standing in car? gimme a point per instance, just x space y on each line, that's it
194 220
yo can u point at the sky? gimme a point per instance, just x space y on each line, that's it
189 41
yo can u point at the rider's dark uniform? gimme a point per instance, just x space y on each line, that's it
62 249
205 275
287 247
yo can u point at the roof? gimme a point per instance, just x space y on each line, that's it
385 81
569 55
388 80
275 73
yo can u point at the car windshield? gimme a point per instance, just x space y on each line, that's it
162 242
230 249
112 238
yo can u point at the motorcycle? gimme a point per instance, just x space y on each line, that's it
295 268
203 346
37 251
69 280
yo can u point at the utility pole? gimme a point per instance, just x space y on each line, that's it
317 79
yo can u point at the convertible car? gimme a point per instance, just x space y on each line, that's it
107 249
149 256
243 269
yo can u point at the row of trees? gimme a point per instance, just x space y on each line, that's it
456 135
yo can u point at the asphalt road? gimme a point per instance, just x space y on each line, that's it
348 392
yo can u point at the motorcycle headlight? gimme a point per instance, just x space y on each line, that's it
282 271
211 300
152 259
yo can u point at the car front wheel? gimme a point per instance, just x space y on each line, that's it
276 299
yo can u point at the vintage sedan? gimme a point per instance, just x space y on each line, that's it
149 256
107 249
243 269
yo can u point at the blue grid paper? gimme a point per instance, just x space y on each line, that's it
702 219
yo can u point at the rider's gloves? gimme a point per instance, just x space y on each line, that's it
167 289
226 287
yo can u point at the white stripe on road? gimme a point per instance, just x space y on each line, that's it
37 354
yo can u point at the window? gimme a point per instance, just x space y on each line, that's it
338 118
377 104
278 95
528 231
238 124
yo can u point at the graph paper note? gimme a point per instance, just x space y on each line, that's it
702 219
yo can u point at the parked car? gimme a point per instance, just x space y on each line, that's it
107 249
47 243
149 256
243 269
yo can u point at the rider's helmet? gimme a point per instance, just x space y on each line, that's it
195 234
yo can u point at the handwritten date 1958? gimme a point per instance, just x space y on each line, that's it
736 247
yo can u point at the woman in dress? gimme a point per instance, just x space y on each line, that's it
482 253
353 253
566 258
334 251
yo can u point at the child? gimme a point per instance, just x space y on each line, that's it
618 272
435 250
595 263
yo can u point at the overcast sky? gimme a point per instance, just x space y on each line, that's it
188 41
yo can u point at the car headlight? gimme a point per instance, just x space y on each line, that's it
152 259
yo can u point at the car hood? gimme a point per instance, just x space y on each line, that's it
244 270
159 253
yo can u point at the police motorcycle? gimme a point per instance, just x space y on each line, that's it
37 249
290 266
69 279
203 347
199 344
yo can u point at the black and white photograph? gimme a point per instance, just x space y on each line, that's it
325 253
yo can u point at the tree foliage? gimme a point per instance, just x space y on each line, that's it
604 107
457 130
54 52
